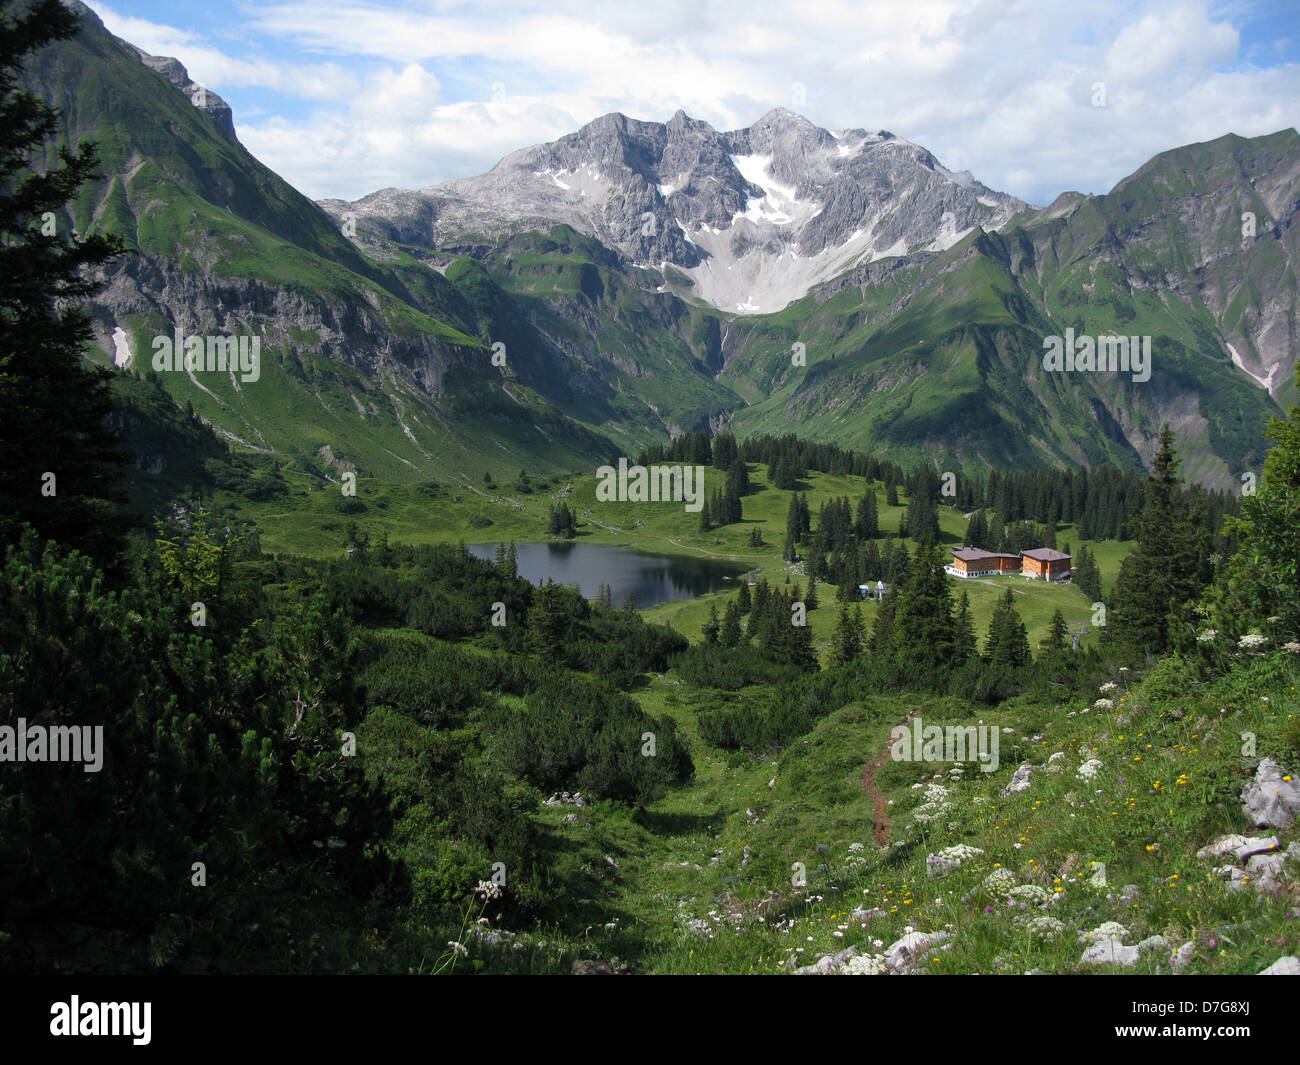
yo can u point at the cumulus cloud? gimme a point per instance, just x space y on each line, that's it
412 95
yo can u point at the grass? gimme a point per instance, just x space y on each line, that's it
702 878
306 523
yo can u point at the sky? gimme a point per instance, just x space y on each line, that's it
1034 97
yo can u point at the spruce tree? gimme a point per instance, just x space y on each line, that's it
744 600
846 644
711 627
1262 580
1054 641
881 641
866 526
963 630
923 624
1008 640
1168 569
62 466
730 634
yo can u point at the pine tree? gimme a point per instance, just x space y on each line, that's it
1087 577
1056 632
744 600
882 628
891 494
1168 569
706 520
810 600
546 622
963 631
1262 580
711 626
846 644
923 624
731 633
54 407
866 526
1008 641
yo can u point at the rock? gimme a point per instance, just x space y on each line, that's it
1289 966
1098 878
1183 956
1259 845
903 952
827 964
1110 951
1224 846
1268 800
1019 781
1152 944
859 915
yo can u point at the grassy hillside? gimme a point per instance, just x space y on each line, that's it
308 522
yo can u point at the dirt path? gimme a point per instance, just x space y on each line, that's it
882 823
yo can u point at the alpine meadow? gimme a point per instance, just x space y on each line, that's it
525 538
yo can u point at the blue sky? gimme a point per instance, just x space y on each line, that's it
342 97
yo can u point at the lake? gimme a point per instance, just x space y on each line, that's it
653 578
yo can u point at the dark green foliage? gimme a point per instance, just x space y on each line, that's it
1169 568
576 733
1007 644
562 522
54 406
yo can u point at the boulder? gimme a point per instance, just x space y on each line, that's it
1268 800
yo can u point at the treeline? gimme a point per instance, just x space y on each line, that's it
920 640
1100 501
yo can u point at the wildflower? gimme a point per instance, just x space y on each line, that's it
1252 641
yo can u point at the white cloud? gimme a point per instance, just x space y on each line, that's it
1001 88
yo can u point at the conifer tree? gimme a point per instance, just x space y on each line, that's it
1168 569
846 644
1008 641
881 641
866 526
963 630
62 466
1056 632
730 634
711 626
744 600
923 624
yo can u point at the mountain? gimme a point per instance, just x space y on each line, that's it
635 279
753 218
365 365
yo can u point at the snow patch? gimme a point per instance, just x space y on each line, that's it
122 356
1264 382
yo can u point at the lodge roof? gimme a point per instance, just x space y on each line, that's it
1045 554
976 554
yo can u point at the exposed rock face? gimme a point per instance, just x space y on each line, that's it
755 217
1269 800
